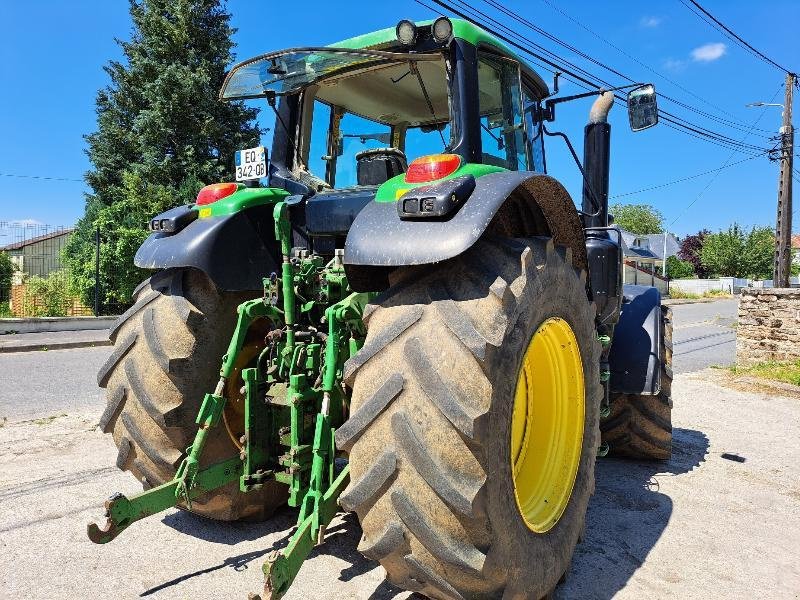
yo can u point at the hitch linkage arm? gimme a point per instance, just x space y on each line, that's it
190 482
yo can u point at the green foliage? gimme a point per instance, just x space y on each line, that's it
640 219
7 270
736 253
50 296
679 269
121 234
5 310
690 249
162 134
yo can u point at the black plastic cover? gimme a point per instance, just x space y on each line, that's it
174 219
436 200
635 355
236 251
379 238
332 213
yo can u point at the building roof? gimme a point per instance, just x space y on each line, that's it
38 238
655 245
796 241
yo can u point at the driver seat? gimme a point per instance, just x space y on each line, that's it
378 165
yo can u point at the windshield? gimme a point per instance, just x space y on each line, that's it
289 71
375 120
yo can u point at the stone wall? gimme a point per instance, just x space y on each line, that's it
769 326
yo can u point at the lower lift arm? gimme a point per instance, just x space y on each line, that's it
190 481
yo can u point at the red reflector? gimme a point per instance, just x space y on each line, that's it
216 191
433 167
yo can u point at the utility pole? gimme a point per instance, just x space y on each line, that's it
783 226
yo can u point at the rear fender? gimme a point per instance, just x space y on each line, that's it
235 250
510 203
635 355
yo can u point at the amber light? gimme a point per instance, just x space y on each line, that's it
216 191
432 167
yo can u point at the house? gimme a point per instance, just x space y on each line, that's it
647 251
39 255
796 249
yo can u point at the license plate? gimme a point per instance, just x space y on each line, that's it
251 163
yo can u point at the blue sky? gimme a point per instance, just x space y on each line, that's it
52 71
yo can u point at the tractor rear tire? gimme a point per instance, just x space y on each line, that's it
640 426
429 435
167 352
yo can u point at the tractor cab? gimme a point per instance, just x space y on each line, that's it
360 113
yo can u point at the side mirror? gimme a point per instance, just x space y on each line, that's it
642 107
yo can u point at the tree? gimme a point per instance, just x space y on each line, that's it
690 249
736 253
679 269
640 219
7 270
160 130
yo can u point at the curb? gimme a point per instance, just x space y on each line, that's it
54 324
679 301
54 346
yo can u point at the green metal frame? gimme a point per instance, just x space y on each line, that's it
307 299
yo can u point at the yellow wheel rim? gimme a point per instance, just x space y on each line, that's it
547 425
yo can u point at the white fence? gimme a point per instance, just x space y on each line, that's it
732 285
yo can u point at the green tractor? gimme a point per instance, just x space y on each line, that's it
436 344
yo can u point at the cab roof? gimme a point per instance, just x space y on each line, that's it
462 29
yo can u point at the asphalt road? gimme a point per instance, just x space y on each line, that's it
45 383
704 335
721 519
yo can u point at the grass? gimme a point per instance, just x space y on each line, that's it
679 293
48 420
787 372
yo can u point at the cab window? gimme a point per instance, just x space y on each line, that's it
503 142
535 133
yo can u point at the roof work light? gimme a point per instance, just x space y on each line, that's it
442 30
406 32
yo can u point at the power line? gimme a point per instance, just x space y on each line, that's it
727 122
517 17
727 161
732 35
591 80
39 177
584 55
687 178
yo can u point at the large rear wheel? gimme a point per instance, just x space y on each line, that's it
166 357
474 423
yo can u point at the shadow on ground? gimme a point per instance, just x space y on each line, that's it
626 517
341 541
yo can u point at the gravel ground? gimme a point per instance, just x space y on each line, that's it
720 520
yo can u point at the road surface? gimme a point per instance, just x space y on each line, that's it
704 335
721 519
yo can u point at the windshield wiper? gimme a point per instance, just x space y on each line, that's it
413 68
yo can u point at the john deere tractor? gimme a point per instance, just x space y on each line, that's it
414 321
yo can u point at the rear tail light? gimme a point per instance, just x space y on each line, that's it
216 191
432 167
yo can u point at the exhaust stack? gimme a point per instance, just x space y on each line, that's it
596 161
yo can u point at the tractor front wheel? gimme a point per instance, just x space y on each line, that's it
167 352
640 426
474 423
